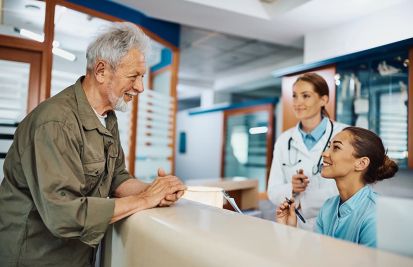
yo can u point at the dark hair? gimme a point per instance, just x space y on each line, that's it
368 144
320 86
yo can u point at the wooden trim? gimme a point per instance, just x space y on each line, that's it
410 112
47 56
270 133
263 196
86 10
150 80
224 134
252 109
21 43
33 97
270 142
34 59
133 136
174 83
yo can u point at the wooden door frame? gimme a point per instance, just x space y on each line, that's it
34 58
270 135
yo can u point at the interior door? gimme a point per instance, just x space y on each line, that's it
19 92
248 142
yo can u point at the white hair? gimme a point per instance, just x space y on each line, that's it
115 42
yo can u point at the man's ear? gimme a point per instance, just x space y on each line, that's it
100 70
362 164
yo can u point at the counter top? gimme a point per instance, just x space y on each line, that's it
192 234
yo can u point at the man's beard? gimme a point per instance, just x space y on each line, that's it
121 105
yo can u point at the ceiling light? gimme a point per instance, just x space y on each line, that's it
31 6
258 130
40 38
56 43
31 35
63 53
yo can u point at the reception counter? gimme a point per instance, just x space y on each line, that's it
192 234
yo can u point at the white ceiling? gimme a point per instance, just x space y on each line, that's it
207 56
226 45
280 21
234 45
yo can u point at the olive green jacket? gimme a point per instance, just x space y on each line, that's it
61 168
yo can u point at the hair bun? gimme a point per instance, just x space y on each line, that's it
388 169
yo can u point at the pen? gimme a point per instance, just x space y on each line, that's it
296 210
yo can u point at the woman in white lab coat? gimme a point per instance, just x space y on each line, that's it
296 164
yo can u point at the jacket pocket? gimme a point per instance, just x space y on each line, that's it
93 173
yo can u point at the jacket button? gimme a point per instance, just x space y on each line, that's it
96 172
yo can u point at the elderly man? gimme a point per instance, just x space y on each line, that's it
66 160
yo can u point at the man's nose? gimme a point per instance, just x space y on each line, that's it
138 86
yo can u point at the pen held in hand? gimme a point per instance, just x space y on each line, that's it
296 210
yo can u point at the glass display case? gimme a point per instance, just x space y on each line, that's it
373 93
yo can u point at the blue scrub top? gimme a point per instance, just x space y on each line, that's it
311 139
353 220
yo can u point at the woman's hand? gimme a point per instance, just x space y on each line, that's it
299 182
285 214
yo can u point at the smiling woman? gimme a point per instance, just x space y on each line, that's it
295 170
355 158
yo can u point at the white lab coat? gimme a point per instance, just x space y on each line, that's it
279 184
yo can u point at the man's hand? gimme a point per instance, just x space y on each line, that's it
299 182
171 198
285 214
164 190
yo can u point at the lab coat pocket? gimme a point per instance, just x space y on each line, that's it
288 172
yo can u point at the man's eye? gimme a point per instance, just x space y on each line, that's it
336 147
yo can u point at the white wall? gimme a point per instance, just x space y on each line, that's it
203 145
383 27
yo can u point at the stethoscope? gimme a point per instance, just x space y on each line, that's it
317 167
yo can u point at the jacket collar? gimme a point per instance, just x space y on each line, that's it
87 116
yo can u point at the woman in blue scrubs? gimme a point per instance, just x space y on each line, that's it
355 158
